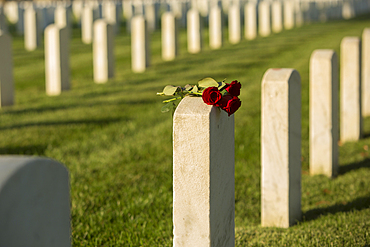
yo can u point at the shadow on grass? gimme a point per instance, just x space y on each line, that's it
24 150
354 166
357 204
100 122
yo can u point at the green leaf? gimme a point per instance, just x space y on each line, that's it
208 82
168 107
170 90
195 89
188 87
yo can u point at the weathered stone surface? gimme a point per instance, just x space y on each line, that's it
194 31
34 202
56 60
264 19
234 24
169 36
350 93
215 28
324 110
250 21
6 71
87 20
203 175
281 148
366 72
103 47
139 44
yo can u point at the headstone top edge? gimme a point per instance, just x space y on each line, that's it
323 53
193 106
274 75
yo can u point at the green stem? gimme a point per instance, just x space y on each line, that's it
173 99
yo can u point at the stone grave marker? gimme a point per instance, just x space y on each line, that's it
194 31
139 44
35 205
234 24
6 71
264 19
250 19
365 72
324 110
350 89
203 175
103 47
281 148
169 36
57 69
215 28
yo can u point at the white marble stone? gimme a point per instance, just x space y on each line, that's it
289 14
365 72
103 47
277 16
11 10
87 20
35 204
169 36
234 24
110 13
281 148
150 16
139 44
77 6
348 11
62 18
194 31
264 18
57 68
350 93
250 20
324 113
215 28
31 29
6 71
203 175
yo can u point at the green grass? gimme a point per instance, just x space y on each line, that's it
118 147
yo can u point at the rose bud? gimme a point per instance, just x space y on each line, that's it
233 88
211 95
230 104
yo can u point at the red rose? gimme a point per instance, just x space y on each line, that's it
233 88
211 95
229 103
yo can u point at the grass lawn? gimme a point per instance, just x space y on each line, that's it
117 144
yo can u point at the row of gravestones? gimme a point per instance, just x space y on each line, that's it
32 190
203 196
57 38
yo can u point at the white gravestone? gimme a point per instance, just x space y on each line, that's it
87 19
350 89
234 24
203 175
366 72
150 16
169 36
288 14
277 16
111 15
194 31
139 44
6 71
250 19
31 29
35 205
103 47
324 110
264 19
61 17
281 148
56 60
215 28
